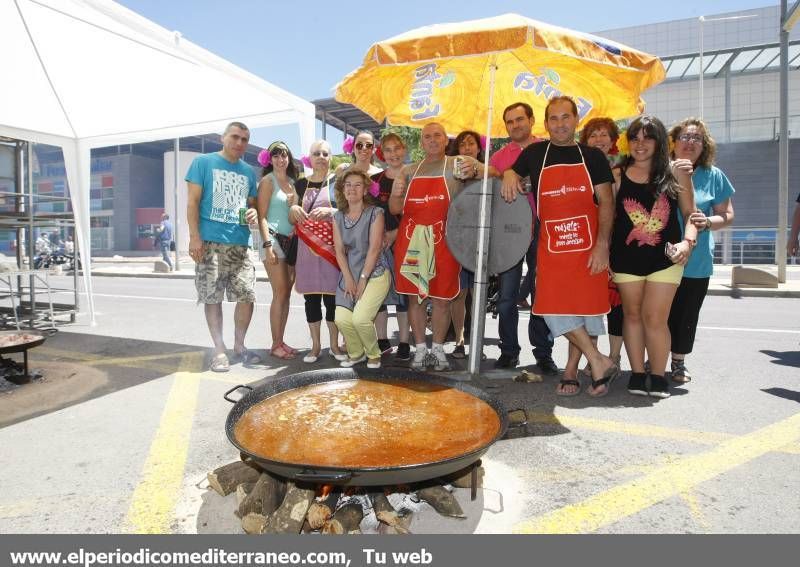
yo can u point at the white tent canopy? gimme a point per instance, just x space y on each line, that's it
82 74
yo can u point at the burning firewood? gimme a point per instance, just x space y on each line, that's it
321 511
289 517
386 513
441 500
346 520
226 478
264 498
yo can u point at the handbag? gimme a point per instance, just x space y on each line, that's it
288 244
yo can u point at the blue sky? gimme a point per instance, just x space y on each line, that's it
307 47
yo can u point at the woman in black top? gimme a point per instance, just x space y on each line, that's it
649 249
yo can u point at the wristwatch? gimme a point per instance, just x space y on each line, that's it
708 223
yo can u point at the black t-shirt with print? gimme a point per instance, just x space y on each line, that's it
531 161
382 200
643 224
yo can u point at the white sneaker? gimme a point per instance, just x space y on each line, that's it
374 364
441 360
420 357
340 357
352 362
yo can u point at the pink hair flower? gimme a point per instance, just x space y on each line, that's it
264 158
306 161
379 153
375 189
348 144
483 143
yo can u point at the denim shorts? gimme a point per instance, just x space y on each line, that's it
562 324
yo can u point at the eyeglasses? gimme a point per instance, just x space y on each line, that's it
690 139
363 145
320 154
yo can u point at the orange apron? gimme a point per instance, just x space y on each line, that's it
426 203
568 230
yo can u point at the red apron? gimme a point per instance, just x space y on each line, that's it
426 203
568 231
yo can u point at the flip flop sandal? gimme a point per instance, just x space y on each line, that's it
220 363
567 382
289 349
247 357
607 379
281 352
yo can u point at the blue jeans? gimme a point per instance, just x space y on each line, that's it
165 254
510 293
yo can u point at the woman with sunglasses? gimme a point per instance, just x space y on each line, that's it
358 232
393 153
362 155
315 276
276 194
712 195
649 248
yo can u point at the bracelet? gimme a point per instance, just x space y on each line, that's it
363 276
691 242
267 244
708 223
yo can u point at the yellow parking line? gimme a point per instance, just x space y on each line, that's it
632 497
153 503
643 430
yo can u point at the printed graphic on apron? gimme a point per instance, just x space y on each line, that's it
568 235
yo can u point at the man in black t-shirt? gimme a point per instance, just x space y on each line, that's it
572 185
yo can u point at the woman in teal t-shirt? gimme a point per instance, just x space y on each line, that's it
276 194
712 195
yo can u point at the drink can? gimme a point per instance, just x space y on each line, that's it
457 167
242 215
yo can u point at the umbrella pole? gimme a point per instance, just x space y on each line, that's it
481 268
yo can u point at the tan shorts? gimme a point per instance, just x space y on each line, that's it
225 268
671 275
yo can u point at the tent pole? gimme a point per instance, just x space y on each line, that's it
481 268
176 151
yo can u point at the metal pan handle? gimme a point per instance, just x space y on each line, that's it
232 390
523 423
323 478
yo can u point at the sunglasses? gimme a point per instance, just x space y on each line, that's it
278 152
689 139
362 145
320 154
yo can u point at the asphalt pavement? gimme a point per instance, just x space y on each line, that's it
122 436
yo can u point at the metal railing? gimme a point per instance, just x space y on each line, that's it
752 129
746 246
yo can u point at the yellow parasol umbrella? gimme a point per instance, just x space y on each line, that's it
463 75
443 73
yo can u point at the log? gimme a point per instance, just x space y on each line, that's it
441 500
264 498
386 513
254 523
241 493
289 517
346 520
226 478
401 529
463 478
321 511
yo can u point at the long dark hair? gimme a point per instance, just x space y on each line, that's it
374 144
661 177
291 169
460 138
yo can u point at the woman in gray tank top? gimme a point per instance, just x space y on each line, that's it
365 279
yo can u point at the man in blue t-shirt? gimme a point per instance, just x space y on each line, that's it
220 185
163 239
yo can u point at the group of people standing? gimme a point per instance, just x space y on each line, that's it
622 234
